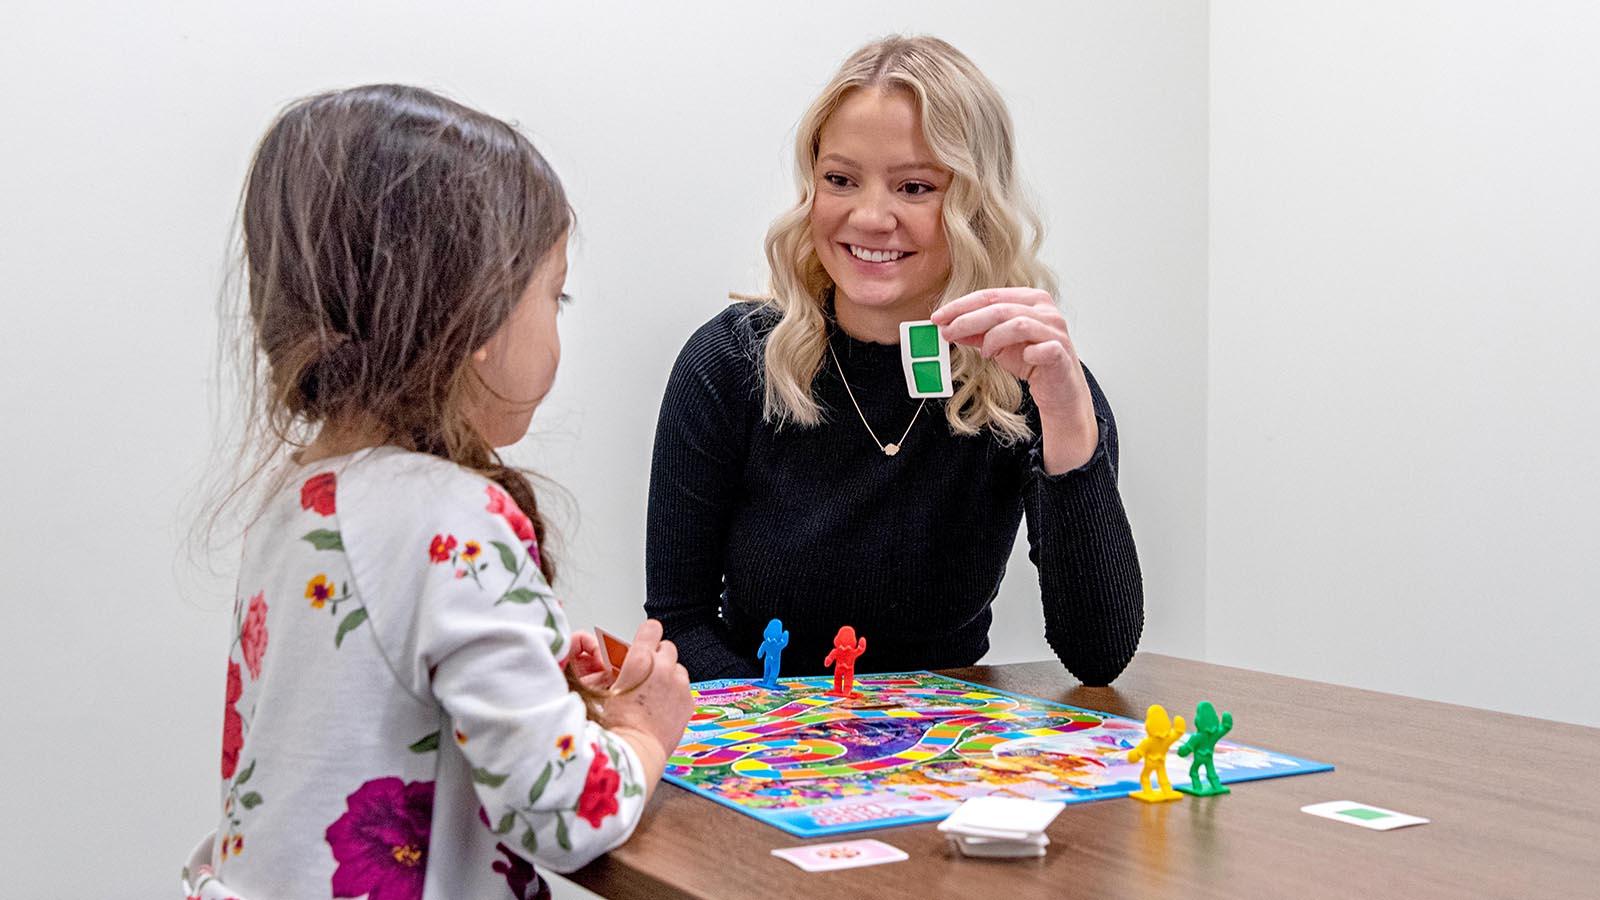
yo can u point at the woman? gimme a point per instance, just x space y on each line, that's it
793 476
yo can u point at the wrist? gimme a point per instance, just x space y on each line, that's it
1067 441
652 756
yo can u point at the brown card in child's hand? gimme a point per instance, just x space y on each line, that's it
613 650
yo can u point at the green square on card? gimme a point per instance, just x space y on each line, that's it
1361 812
924 341
927 376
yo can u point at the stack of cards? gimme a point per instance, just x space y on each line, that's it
1000 826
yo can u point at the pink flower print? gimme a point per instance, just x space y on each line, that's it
253 635
501 504
317 494
381 841
232 723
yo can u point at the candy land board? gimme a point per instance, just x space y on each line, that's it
910 748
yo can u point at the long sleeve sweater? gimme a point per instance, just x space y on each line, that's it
397 722
818 527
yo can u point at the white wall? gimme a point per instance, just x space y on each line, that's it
1404 309
126 134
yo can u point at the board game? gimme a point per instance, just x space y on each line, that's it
909 747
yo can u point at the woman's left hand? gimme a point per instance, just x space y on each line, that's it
1023 331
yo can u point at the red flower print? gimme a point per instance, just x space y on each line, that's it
599 798
319 591
501 504
317 494
232 723
381 841
441 547
253 635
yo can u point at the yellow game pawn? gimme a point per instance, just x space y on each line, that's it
1160 733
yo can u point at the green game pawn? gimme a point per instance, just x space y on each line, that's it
1203 744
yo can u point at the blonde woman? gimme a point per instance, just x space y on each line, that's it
794 478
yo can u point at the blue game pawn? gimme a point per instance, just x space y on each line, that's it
774 639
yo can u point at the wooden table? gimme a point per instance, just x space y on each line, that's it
1515 804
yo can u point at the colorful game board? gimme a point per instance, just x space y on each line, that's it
909 748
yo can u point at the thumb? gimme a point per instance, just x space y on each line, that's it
641 660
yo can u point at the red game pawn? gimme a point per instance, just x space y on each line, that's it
843 659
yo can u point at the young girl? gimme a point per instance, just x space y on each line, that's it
794 478
407 714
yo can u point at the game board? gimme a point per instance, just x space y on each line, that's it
909 748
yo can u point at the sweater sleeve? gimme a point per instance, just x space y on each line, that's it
488 641
1081 543
694 483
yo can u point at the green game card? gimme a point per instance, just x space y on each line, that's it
926 360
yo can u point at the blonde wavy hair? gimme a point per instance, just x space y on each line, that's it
993 232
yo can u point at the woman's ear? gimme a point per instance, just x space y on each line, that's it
481 354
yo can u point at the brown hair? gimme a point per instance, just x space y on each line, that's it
388 233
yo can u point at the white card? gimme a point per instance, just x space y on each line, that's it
840 855
926 359
1366 815
1001 817
1032 840
999 849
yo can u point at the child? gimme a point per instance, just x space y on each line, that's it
407 713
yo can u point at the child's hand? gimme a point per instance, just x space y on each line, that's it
651 693
587 666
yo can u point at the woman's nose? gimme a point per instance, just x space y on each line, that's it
874 212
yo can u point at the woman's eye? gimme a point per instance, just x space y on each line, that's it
837 180
916 188
564 299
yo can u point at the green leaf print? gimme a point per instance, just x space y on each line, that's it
561 832
323 539
539 784
507 822
245 775
426 744
520 595
530 842
486 777
555 645
250 800
507 558
349 624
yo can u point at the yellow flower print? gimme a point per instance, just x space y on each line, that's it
319 591
564 744
470 551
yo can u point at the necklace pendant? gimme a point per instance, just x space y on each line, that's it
891 449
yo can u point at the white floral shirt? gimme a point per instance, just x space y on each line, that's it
397 723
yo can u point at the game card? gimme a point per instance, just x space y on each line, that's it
1007 818
840 855
613 650
1376 818
926 360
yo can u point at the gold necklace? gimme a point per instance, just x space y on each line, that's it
888 449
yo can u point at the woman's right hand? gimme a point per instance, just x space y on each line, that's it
651 697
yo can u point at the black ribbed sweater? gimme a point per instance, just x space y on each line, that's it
818 527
